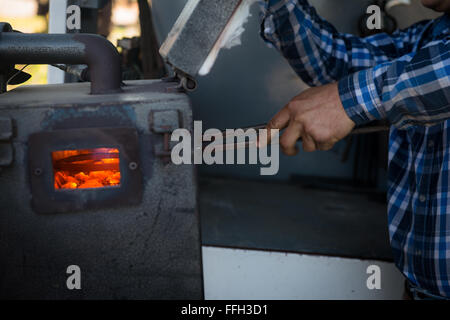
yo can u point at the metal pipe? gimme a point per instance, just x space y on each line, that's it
95 51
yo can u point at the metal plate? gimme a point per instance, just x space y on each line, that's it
258 215
45 199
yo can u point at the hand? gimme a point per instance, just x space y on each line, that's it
316 116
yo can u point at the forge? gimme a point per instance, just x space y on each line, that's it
85 181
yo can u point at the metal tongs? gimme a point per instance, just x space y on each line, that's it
254 143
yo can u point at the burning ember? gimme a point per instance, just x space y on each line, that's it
90 168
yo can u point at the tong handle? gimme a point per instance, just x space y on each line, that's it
247 144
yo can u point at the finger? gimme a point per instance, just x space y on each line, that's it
325 146
290 137
279 121
308 143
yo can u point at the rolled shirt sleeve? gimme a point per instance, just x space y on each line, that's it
318 52
411 90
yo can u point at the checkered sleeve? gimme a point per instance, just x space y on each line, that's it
317 51
411 90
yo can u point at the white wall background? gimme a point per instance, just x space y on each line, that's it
253 275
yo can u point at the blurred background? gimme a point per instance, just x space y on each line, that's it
32 16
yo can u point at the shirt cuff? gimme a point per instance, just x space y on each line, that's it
360 97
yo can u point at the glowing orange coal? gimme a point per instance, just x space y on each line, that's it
89 168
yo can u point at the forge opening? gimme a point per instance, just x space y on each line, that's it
86 168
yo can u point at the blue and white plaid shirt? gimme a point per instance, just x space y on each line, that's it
404 78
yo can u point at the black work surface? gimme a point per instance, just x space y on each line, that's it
290 218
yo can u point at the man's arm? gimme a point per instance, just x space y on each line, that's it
318 52
411 90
